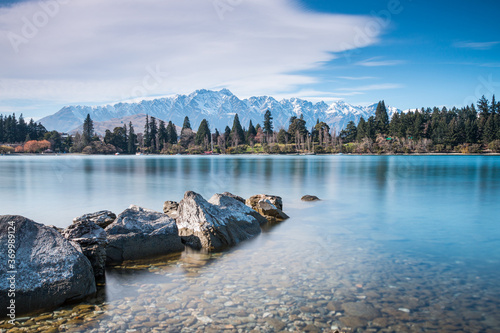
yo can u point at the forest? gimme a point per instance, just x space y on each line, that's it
470 129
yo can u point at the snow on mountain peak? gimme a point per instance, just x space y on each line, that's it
219 108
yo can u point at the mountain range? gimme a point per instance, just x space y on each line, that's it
218 107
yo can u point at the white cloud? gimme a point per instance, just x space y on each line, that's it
476 45
96 51
371 87
357 78
374 62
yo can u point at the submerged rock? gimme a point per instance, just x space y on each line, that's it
270 206
213 225
170 208
102 218
92 240
140 233
50 270
308 197
360 309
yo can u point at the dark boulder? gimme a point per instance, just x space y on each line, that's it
102 218
50 270
92 240
139 233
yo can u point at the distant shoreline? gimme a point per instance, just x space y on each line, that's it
256 154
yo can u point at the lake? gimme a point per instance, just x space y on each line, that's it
398 243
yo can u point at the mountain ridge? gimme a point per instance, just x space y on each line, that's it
218 107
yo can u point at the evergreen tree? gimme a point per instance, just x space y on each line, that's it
237 134
489 133
381 118
494 105
216 136
153 132
320 130
162 135
268 123
203 133
350 132
484 107
171 133
361 130
186 124
132 139
418 125
125 138
283 136
88 130
471 131
22 129
2 129
108 137
147 136
251 132
370 128
297 128
227 133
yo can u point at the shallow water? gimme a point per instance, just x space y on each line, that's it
397 244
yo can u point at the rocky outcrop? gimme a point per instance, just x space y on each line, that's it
229 201
92 240
308 197
49 269
215 225
269 206
141 233
170 208
102 218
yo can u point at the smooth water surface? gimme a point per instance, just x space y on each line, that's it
398 243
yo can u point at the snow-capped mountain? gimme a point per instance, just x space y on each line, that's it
218 107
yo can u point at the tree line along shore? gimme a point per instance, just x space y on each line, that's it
470 129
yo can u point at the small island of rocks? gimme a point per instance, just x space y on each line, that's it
54 266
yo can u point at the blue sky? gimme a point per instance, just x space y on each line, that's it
409 53
442 52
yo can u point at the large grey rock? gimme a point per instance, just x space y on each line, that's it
102 218
139 233
92 240
50 269
229 201
269 206
214 226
